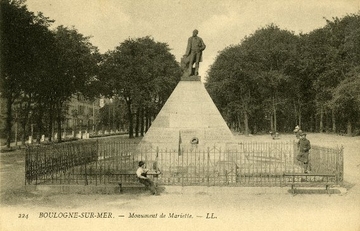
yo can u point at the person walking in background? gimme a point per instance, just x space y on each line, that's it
141 174
304 148
297 131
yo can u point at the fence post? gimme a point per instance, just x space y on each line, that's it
342 163
37 163
293 159
26 162
182 169
208 166
96 162
339 164
86 179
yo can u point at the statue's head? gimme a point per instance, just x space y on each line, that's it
195 32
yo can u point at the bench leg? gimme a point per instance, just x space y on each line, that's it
120 187
293 189
327 189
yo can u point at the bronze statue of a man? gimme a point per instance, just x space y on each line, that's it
193 52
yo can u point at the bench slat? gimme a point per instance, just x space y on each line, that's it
310 174
291 176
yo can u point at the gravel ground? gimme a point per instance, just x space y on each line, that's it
187 208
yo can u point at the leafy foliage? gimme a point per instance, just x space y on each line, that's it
25 40
271 81
253 74
285 79
141 71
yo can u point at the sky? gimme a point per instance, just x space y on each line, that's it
221 23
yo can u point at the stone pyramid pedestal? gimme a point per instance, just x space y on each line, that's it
189 119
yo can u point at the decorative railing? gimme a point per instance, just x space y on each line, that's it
50 160
102 162
328 160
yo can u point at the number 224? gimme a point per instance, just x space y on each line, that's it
22 215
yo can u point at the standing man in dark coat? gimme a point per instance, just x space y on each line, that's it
193 52
304 147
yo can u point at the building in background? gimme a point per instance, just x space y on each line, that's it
82 115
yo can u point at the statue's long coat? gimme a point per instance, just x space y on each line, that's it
201 45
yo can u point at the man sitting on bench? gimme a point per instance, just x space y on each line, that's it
141 173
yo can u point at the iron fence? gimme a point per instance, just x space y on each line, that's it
328 161
105 161
48 161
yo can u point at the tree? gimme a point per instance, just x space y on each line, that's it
329 54
346 100
254 74
142 72
22 36
346 39
77 61
231 84
274 51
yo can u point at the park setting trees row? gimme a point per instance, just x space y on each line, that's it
143 73
43 67
274 79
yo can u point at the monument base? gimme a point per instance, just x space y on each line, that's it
189 118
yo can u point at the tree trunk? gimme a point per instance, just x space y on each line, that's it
137 125
23 136
24 122
130 117
9 119
142 124
147 119
50 125
349 128
327 120
274 111
59 131
75 124
239 122
321 124
246 120
39 127
59 110
109 114
314 122
299 115
150 120
295 113
333 119
254 129
246 123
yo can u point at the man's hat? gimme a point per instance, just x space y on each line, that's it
303 134
141 163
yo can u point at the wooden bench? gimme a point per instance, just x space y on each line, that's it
309 180
131 180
